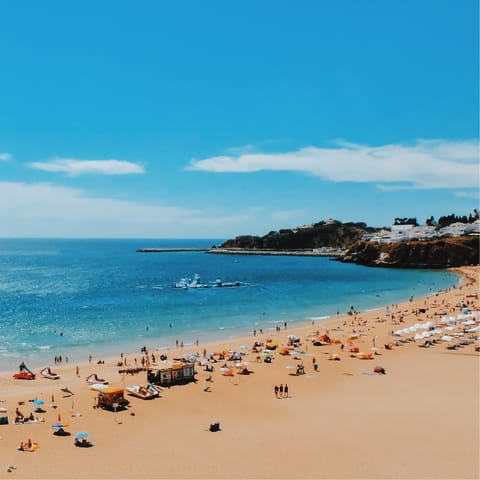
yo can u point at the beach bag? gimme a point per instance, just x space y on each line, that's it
215 427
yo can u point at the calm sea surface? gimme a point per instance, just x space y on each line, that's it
101 297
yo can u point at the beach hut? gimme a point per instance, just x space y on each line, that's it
171 374
112 398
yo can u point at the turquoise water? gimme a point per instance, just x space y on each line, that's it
100 297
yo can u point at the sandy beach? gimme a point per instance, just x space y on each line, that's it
340 420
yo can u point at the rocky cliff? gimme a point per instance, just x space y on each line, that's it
345 241
435 253
332 234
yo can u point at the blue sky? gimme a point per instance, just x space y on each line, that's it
211 119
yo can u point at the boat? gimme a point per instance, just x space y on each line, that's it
24 374
186 283
47 373
182 284
145 393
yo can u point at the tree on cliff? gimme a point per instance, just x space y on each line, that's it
406 221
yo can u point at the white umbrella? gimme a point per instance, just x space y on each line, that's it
474 329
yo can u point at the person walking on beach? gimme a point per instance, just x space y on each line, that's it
276 391
285 389
281 390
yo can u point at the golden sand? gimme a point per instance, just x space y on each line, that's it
420 420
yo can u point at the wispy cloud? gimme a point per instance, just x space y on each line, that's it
426 164
289 215
469 194
73 167
5 156
45 210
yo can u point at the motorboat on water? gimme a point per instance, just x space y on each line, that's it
186 283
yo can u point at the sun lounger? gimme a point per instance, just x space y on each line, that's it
93 378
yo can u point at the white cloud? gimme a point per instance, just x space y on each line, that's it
5 156
292 216
73 167
44 210
475 194
426 164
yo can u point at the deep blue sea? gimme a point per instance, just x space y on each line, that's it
102 297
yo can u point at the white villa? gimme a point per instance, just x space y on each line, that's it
403 233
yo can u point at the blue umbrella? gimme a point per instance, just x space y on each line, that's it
82 435
59 425
38 402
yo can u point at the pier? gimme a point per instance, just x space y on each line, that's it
161 250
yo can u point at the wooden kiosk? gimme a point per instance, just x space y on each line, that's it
171 374
112 398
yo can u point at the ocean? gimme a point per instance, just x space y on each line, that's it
78 298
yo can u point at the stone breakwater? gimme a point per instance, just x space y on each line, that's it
316 252
160 250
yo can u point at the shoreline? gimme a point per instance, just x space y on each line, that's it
342 421
79 354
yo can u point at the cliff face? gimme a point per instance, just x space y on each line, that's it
331 235
436 253
347 238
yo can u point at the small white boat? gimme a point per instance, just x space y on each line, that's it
145 393
186 283
182 284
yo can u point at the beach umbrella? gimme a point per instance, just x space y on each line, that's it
38 402
82 435
59 425
474 329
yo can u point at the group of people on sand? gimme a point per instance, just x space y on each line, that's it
281 391
26 446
